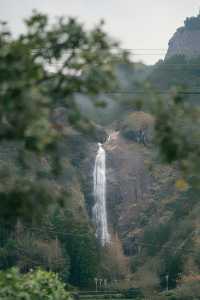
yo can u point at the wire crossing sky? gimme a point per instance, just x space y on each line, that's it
144 26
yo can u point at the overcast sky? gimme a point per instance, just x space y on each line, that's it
138 24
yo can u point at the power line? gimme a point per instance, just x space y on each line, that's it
144 93
167 92
111 48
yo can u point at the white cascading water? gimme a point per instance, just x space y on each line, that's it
99 208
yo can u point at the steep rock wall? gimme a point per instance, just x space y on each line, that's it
186 43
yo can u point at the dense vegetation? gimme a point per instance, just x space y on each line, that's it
176 71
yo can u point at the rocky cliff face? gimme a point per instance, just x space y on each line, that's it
134 182
184 42
129 186
130 182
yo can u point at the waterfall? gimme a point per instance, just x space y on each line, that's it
99 209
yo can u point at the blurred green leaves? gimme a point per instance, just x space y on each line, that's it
40 71
38 285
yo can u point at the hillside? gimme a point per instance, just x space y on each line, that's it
99 163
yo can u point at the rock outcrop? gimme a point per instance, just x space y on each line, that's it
135 180
186 40
129 186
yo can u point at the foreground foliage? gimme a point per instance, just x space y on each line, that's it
41 71
37 285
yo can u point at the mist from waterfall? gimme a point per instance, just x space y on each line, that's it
99 209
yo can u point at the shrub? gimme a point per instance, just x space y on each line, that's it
138 126
37 285
155 237
133 293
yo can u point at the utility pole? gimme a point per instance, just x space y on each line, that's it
100 282
105 284
96 283
167 282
